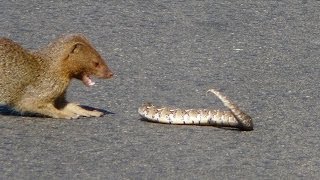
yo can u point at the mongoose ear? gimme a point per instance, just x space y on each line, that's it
76 48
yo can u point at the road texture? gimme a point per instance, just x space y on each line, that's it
263 54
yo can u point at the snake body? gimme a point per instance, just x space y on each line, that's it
234 118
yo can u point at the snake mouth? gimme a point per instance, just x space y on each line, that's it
87 80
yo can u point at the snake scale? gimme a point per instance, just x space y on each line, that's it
234 118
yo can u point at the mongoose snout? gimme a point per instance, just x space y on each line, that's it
108 75
37 81
102 72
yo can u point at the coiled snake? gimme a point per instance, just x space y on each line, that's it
234 118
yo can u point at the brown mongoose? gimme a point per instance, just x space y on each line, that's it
36 82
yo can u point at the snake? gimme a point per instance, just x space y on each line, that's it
233 118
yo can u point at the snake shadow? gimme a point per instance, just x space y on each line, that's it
8 111
177 125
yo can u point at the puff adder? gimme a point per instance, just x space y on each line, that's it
234 117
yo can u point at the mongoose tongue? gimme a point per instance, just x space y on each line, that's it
87 81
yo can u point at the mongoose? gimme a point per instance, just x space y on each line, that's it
36 81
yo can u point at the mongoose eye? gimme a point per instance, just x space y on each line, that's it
96 64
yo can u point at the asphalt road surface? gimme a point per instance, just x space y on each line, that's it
263 54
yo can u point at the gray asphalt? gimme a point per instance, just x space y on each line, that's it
263 54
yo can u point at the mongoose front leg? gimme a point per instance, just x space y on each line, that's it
49 110
74 108
62 104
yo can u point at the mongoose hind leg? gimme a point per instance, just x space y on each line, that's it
74 108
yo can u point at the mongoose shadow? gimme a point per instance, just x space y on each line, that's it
97 109
7 111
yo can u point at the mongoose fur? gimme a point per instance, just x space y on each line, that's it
36 82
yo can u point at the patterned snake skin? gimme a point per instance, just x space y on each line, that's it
234 118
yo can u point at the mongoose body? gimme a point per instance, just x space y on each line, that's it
37 81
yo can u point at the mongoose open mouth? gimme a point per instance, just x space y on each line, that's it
87 80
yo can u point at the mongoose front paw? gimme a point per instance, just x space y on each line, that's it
76 109
87 113
66 116
96 113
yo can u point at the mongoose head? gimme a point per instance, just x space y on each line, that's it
83 61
